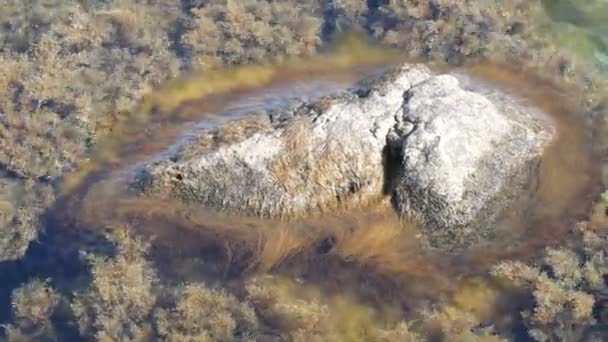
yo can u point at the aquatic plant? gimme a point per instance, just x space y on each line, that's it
126 301
203 314
383 243
64 67
242 32
567 287
303 313
118 303
33 306
376 240
22 202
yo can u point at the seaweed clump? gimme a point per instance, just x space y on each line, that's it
34 305
125 299
227 32
22 203
67 67
568 288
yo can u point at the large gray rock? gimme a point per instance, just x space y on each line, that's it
465 156
304 159
451 158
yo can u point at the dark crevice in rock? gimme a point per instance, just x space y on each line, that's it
392 168
393 150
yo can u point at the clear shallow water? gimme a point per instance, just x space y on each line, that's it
582 27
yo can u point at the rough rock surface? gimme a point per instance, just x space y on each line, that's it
450 157
305 158
465 156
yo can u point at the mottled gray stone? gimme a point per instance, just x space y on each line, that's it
465 156
307 158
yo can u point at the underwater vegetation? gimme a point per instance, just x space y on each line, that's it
126 301
568 287
81 82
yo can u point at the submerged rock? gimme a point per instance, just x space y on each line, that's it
451 158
